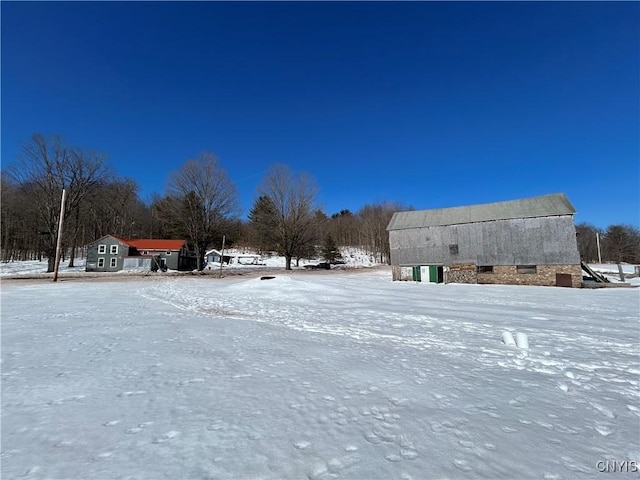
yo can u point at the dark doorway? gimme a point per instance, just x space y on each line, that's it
563 280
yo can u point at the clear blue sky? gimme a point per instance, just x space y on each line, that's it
433 104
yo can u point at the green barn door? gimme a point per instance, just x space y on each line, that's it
433 274
416 274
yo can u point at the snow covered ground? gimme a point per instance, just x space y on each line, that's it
319 375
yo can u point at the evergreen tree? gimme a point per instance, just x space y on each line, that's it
330 251
262 224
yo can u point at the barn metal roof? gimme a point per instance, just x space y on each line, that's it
542 206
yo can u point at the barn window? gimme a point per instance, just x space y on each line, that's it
485 268
114 250
101 262
102 249
453 249
168 253
527 269
114 262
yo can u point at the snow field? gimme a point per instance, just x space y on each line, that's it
347 375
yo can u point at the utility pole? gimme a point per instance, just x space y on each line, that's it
598 242
59 241
222 255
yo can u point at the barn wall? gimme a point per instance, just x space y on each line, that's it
526 241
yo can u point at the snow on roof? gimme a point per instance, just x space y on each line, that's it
542 206
233 253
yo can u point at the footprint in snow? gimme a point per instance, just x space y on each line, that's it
408 454
546 425
167 436
603 410
552 476
399 402
131 394
462 465
334 466
603 429
519 402
393 457
193 380
634 409
508 429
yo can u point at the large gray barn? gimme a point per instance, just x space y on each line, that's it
531 241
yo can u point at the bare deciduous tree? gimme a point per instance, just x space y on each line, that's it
44 168
201 202
587 242
113 208
292 200
374 219
621 243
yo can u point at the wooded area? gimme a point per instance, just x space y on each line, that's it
201 205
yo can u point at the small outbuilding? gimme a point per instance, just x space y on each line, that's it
232 257
530 241
112 254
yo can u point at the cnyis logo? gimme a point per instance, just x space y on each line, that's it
621 466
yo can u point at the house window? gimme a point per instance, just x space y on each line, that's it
168 254
114 262
101 262
527 269
102 249
114 250
453 249
485 268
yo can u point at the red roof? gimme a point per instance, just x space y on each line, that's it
154 244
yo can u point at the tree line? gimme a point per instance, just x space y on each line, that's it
618 243
200 204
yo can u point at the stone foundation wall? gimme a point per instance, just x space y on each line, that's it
462 273
502 275
545 276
